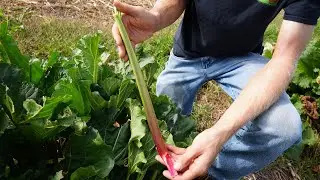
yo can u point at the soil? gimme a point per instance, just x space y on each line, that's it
89 10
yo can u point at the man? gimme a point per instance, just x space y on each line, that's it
221 40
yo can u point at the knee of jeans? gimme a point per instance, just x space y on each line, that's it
284 123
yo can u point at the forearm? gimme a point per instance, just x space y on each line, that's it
260 93
168 11
269 83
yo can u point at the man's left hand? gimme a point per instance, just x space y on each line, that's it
195 160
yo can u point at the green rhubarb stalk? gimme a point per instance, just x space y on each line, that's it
145 96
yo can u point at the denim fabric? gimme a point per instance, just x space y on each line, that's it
256 144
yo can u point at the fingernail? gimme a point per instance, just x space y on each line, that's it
177 166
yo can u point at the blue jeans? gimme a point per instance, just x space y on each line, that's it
256 144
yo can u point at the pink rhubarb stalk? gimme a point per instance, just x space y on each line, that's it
145 97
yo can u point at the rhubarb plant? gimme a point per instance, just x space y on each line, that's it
82 117
145 97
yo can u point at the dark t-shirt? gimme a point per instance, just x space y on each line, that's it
235 27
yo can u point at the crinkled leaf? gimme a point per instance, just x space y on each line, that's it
138 130
36 111
142 149
309 136
150 74
111 85
11 76
149 149
116 137
136 157
295 99
90 150
310 60
42 129
24 92
18 90
32 108
182 128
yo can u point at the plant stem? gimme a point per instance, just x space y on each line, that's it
144 94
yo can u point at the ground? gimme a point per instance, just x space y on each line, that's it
48 25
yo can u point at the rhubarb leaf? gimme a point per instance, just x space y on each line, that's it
91 152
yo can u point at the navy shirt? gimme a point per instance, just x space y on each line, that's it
220 28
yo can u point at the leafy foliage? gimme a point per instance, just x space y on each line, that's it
78 117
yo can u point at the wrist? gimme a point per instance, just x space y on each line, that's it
222 130
157 19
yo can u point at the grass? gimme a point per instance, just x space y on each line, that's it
40 36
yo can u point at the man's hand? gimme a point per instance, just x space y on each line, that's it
194 161
139 22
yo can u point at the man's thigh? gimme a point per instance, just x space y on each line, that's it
180 80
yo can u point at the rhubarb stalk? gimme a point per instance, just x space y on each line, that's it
145 97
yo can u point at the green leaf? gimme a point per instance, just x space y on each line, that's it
136 157
4 28
150 71
12 50
309 136
295 99
32 108
44 129
38 112
182 128
11 76
309 61
116 137
3 55
36 71
97 102
90 150
295 152
111 85
18 90
138 130
142 149
24 92
5 100
126 89
58 176
4 121
78 103
84 173
120 144
52 60
149 148
90 54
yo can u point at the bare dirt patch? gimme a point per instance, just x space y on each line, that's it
89 10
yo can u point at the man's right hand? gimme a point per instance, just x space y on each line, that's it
139 22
